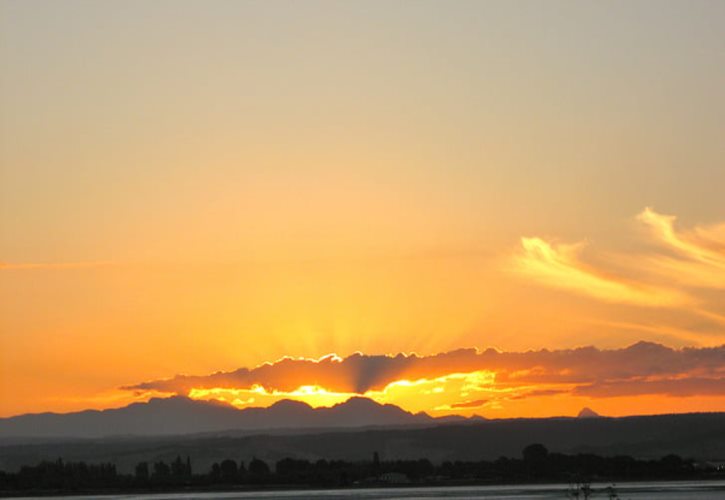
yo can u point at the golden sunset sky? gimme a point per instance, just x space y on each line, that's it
193 187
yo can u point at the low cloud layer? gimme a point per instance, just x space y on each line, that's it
469 404
641 368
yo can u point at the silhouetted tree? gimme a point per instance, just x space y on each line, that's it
228 469
216 472
293 467
161 470
535 459
178 468
535 453
142 471
258 467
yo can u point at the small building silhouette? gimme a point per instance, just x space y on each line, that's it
394 478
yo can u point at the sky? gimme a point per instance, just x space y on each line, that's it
511 208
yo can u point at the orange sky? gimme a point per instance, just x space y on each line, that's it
194 187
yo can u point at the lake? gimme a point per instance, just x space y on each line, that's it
682 490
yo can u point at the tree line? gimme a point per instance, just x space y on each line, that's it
536 464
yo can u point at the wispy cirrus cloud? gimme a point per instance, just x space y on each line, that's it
673 275
699 254
703 243
559 266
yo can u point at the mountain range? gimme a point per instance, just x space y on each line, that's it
400 435
181 415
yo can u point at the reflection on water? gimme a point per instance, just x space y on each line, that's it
681 490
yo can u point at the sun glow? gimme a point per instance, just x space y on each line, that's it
258 395
441 393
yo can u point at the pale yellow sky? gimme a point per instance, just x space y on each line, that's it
188 187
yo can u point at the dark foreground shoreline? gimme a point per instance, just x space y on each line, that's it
601 487
536 467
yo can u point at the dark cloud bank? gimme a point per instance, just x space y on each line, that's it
643 368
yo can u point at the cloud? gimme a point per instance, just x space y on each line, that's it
585 370
704 243
559 266
699 254
675 274
676 387
469 404
539 393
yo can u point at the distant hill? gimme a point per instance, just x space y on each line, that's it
181 415
698 436
588 413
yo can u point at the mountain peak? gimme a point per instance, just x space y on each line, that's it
588 413
360 402
290 404
644 345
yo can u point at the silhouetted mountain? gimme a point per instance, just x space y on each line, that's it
181 415
587 413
